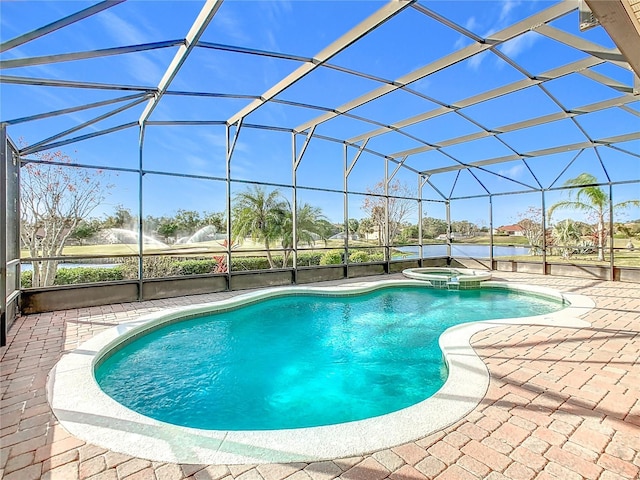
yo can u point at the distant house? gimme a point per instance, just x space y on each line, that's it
511 230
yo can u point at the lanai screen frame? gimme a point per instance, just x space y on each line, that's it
304 133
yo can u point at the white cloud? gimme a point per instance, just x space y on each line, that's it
461 42
230 27
120 30
140 67
144 70
507 6
475 61
516 46
196 162
513 172
422 84
272 43
471 23
276 10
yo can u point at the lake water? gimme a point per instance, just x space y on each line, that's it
459 250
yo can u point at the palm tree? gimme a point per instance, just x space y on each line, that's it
593 200
365 227
311 226
258 214
566 234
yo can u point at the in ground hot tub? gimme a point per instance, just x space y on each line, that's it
445 277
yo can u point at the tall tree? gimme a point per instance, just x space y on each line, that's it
167 229
432 227
215 219
594 201
531 223
258 214
400 207
54 198
85 230
353 225
121 218
188 221
311 226
365 227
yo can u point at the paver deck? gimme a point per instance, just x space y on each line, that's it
562 403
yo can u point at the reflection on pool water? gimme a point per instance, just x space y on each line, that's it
300 360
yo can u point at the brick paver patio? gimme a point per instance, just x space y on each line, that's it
562 403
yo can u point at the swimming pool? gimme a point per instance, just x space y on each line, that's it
88 413
300 360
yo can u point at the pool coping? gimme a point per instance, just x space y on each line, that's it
88 413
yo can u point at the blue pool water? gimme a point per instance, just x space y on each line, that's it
300 361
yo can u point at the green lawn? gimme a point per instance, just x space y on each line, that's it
622 259
497 240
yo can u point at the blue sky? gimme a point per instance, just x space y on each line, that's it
405 43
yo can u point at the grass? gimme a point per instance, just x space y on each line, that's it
621 259
497 240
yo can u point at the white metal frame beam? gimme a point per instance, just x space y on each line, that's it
205 16
48 82
371 23
69 57
78 108
58 24
538 153
532 122
508 33
612 55
482 97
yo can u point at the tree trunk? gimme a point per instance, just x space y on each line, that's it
50 268
266 245
601 234
285 258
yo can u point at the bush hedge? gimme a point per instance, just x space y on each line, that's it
359 257
159 267
71 276
332 257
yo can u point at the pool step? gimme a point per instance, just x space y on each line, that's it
453 283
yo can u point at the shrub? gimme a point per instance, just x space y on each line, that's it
152 267
253 263
194 267
161 266
359 256
72 276
309 259
26 279
332 257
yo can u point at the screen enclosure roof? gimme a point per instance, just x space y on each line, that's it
522 93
